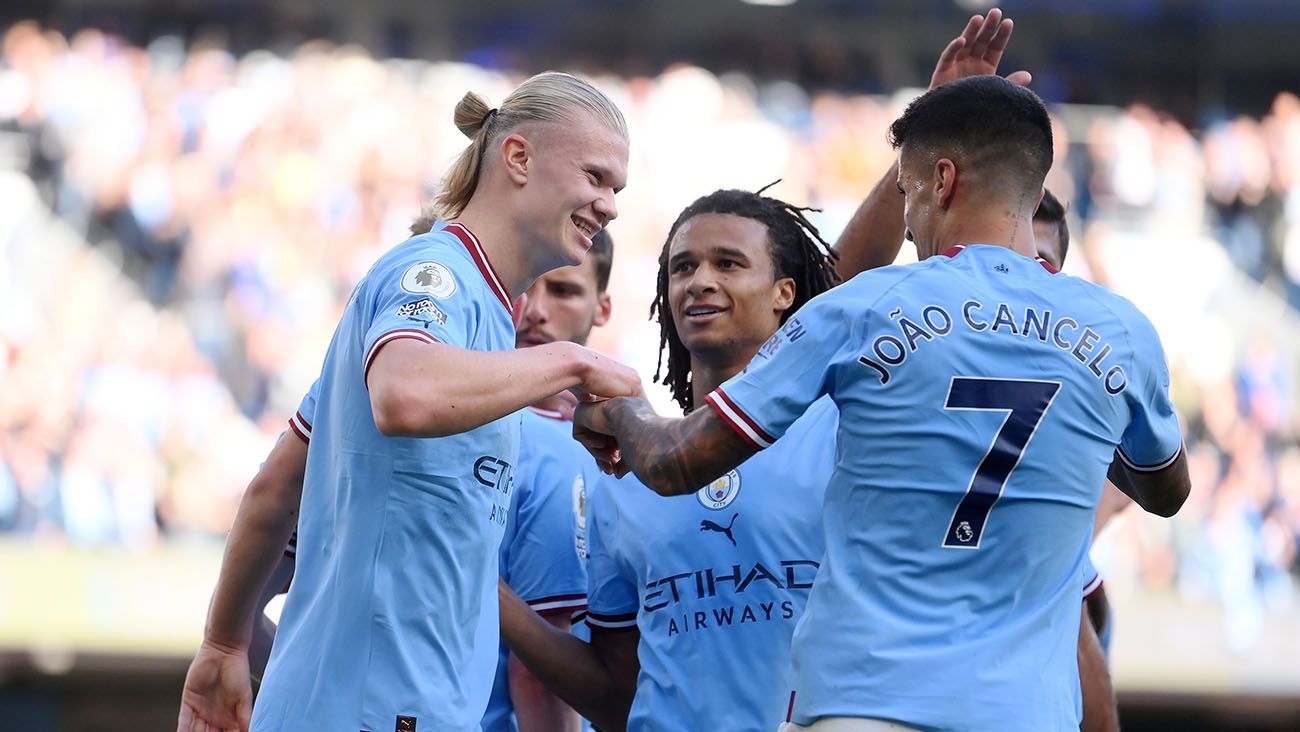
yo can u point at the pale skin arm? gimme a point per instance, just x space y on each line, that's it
259 650
537 709
217 694
874 235
598 679
433 390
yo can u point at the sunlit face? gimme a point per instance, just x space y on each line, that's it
1047 239
573 172
723 291
563 305
916 185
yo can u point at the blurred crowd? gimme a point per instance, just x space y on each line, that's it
239 200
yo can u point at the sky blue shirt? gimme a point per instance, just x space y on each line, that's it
542 556
714 581
392 611
949 594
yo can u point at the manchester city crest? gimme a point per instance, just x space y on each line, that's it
720 493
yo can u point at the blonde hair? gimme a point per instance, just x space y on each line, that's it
550 96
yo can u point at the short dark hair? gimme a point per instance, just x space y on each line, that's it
986 122
1052 211
602 253
798 252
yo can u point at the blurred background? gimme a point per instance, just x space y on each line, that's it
190 189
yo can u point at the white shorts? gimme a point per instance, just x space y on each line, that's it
848 724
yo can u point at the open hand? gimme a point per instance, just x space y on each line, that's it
978 51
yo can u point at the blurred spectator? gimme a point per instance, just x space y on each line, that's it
244 197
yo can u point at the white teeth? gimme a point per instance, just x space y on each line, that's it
701 311
587 231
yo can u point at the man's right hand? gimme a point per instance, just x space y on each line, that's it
218 696
977 51
603 377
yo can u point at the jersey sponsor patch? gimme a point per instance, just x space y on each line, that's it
424 310
720 493
429 278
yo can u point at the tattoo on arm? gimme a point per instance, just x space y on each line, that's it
675 456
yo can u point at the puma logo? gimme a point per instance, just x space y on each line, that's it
707 525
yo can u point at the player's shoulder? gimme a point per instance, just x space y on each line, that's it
879 280
821 416
1122 312
436 263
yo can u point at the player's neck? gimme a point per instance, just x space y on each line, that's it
504 247
1015 234
708 373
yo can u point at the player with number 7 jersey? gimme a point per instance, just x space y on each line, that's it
983 397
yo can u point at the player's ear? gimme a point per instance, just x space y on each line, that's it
945 182
516 153
604 306
784 291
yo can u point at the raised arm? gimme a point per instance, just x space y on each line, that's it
671 456
420 389
598 679
874 235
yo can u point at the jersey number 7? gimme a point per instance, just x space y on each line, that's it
1025 403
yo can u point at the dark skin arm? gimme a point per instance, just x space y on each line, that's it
671 456
1161 492
597 679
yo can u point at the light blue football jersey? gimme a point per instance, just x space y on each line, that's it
391 619
541 556
300 425
714 581
982 397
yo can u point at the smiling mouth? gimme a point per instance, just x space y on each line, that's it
702 312
586 228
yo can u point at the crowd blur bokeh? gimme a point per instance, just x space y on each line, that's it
221 209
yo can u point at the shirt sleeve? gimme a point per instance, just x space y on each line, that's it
302 419
1091 577
612 601
426 300
1153 439
543 563
791 371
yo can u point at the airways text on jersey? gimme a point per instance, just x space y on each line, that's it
732 595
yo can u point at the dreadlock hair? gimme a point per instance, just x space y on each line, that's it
798 252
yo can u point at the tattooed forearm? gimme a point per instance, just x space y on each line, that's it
675 456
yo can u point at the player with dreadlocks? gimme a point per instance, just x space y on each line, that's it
692 602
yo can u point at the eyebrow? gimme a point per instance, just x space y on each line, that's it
731 252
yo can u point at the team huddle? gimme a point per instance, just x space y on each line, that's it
874 514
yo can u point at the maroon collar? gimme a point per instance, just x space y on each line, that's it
480 258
